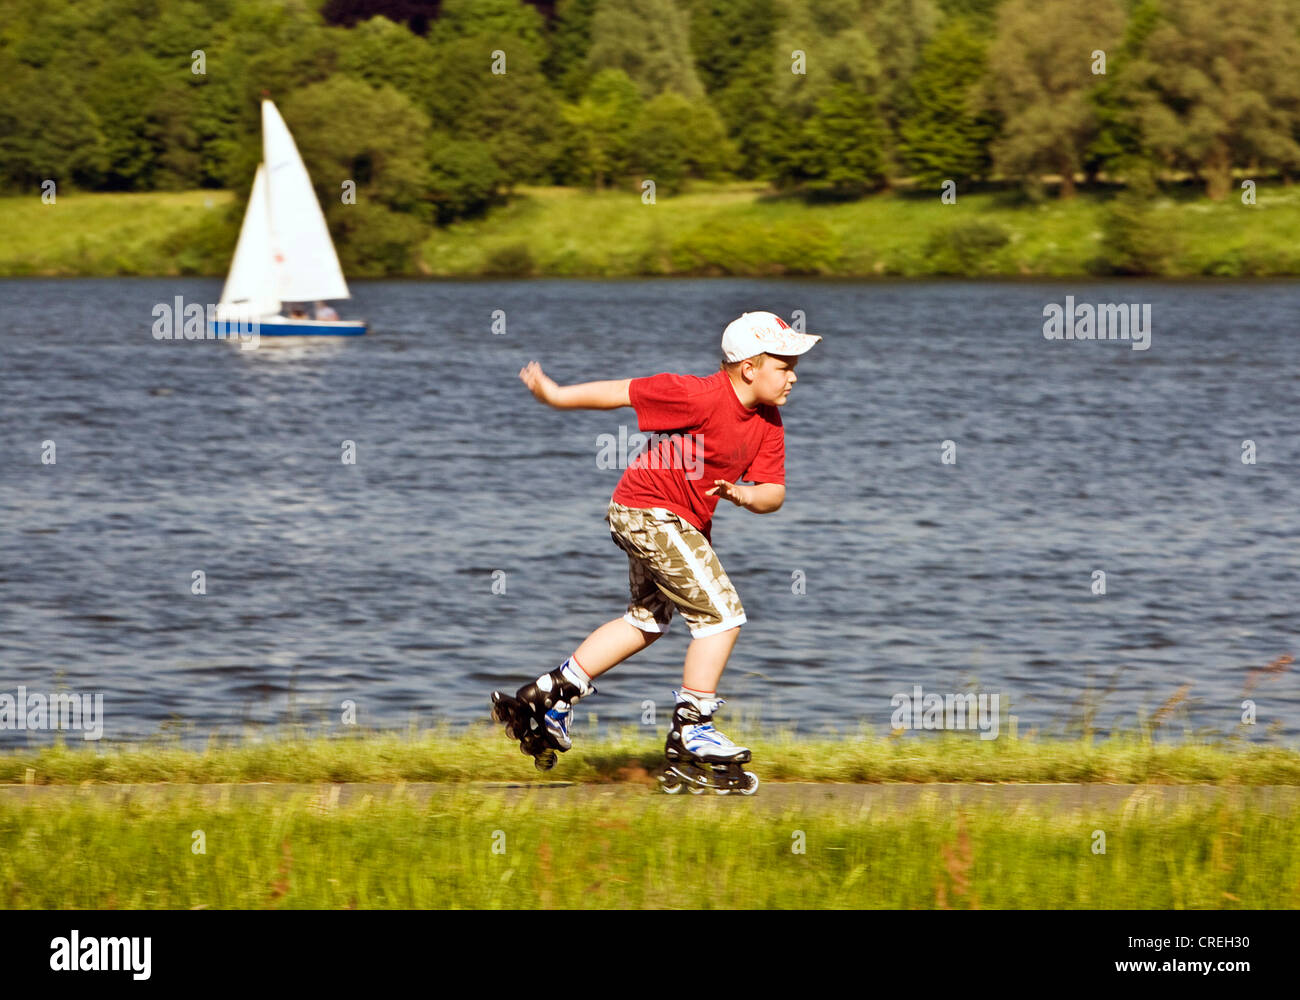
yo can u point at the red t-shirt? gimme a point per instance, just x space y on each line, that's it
713 436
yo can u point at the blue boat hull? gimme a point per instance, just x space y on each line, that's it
289 328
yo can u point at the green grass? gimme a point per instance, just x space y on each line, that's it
473 848
712 229
468 846
164 233
738 229
483 753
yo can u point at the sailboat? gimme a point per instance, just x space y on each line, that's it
284 253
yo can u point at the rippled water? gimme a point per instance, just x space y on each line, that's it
373 582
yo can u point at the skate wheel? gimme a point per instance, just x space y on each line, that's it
546 760
513 732
752 787
696 789
672 785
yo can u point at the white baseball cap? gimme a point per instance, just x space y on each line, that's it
763 333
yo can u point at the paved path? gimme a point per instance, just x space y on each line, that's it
771 795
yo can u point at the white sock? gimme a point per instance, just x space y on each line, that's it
576 674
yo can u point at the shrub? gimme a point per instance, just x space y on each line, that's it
754 247
966 248
512 261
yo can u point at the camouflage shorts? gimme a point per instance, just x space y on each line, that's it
671 564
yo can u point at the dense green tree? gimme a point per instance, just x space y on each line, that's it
675 138
132 98
503 24
570 39
47 132
259 49
600 128
381 52
374 240
732 45
758 125
983 13
947 132
729 38
840 147
515 114
1118 141
899 30
825 69
649 40
1133 241
1217 84
1039 82
817 49
464 179
101 93
377 138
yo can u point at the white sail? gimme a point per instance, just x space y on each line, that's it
250 290
306 266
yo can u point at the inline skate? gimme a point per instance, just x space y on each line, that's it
700 757
538 714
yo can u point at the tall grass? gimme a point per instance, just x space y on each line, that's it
739 229
470 848
161 233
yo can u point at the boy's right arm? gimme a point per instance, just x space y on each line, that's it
584 396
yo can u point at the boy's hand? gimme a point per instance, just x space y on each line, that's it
539 383
739 495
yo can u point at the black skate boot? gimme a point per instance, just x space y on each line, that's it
538 715
700 757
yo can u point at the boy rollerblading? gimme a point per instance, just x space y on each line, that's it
707 434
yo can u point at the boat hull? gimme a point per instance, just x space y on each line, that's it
279 326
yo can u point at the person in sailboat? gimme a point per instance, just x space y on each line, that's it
326 313
284 254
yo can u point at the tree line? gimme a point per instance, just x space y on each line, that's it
440 113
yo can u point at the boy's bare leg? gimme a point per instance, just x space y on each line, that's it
706 658
611 644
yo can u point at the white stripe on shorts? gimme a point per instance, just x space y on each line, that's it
701 574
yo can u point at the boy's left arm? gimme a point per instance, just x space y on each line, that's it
761 498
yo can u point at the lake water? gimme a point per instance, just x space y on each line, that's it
886 569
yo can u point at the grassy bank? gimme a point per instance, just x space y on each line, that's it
483 753
724 229
473 848
91 235
740 230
